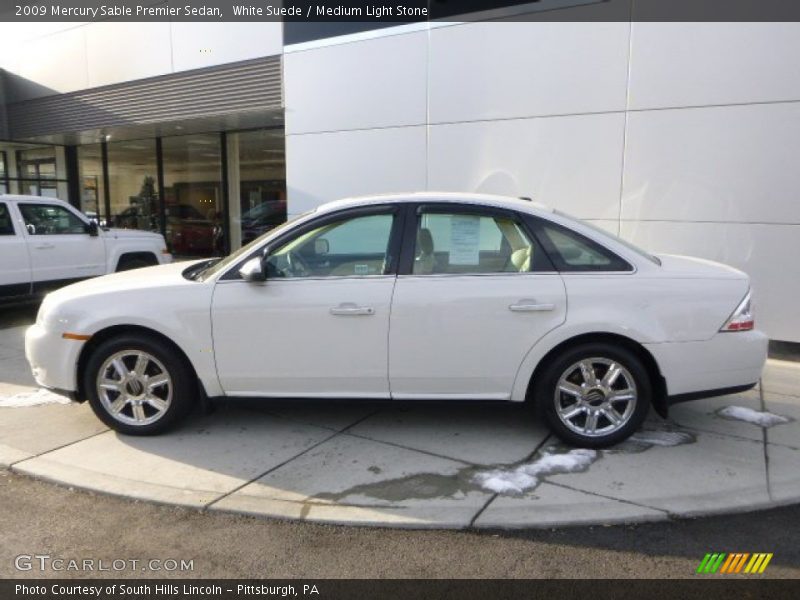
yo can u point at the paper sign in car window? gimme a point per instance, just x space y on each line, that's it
465 240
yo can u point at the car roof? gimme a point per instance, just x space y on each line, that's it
27 198
509 202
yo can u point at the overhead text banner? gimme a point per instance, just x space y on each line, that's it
398 11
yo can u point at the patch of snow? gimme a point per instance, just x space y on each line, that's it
665 438
756 417
35 398
525 477
506 482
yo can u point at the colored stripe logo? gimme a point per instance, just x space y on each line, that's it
735 562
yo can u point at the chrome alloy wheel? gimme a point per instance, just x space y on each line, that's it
134 387
595 397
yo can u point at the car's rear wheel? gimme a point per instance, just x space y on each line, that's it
138 386
594 395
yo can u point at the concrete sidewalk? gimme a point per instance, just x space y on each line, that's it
416 465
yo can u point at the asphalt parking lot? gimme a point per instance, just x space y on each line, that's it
37 517
63 521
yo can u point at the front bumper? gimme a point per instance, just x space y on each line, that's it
728 362
53 359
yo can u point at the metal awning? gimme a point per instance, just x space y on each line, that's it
242 95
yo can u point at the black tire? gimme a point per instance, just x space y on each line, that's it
128 264
544 394
182 382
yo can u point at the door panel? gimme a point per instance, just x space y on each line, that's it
59 248
323 337
319 325
466 336
15 267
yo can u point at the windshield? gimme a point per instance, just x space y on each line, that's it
231 259
619 240
265 209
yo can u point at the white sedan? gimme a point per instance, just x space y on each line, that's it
409 297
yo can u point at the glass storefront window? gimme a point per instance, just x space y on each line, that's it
193 194
33 170
3 187
133 190
37 163
192 199
91 185
262 182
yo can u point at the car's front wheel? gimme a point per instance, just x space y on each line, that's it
137 386
594 395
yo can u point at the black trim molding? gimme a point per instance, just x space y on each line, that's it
676 399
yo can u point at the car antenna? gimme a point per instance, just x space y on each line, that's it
526 198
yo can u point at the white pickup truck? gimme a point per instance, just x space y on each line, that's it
46 243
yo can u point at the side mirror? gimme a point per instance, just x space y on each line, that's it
321 247
253 270
91 228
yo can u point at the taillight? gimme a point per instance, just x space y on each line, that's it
742 318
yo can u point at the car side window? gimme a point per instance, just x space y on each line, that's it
6 226
469 243
355 246
573 252
50 219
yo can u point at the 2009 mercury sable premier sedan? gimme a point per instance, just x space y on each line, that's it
418 296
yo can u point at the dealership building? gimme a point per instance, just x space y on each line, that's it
681 137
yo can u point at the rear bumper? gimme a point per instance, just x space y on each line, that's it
727 361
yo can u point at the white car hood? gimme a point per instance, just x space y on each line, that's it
688 266
131 233
160 276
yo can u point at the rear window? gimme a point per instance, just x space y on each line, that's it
573 252
616 238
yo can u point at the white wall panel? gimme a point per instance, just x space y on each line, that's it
329 166
692 64
734 163
126 51
205 44
609 225
56 62
765 252
14 35
572 163
502 70
372 83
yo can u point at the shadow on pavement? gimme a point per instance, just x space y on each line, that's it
15 315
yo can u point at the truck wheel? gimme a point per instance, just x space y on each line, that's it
134 262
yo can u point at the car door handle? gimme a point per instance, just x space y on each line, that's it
350 309
530 306
45 246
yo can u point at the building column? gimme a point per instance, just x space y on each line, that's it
106 185
234 215
73 177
